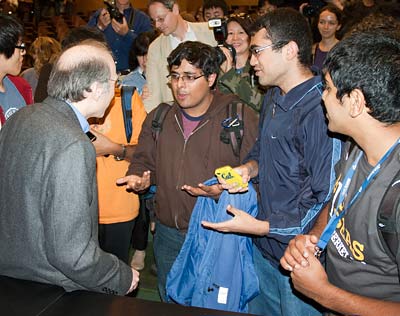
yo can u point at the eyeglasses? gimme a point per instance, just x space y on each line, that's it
161 19
21 46
255 51
190 78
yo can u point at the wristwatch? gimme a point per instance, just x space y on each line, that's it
122 157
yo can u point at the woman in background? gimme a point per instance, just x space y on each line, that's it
329 22
236 75
43 50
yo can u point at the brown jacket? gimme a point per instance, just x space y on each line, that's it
174 162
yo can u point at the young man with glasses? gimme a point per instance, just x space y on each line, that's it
188 148
293 158
15 92
174 30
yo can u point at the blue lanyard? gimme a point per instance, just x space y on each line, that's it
336 216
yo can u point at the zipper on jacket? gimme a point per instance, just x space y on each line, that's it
180 175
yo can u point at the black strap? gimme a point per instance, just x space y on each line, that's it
232 127
386 218
126 98
235 109
158 119
131 18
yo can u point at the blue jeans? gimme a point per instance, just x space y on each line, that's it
277 296
167 244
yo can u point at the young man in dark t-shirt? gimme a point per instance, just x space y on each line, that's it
361 98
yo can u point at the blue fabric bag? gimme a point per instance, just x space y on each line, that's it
213 269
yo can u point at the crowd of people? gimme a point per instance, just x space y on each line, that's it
115 131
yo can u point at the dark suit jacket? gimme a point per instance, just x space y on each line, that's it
48 209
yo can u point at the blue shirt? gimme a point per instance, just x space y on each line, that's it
296 159
11 100
121 45
82 120
135 79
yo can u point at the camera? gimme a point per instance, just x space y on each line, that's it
312 9
219 27
114 12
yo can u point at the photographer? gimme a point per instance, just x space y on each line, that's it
121 24
236 75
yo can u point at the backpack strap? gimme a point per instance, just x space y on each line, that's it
158 119
232 127
386 218
131 18
126 98
387 211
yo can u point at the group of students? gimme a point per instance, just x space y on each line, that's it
321 171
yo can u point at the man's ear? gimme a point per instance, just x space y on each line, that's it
291 50
211 79
96 90
175 9
357 103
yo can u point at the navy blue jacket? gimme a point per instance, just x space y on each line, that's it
213 269
121 45
296 159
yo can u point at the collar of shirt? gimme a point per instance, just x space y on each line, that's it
289 100
82 120
189 36
127 12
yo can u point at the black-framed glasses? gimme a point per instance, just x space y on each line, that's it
21 46
188 78
256 50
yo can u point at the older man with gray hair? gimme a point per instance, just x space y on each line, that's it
48 214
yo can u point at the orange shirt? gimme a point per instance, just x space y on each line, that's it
115 203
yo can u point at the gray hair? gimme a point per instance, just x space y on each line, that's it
74 72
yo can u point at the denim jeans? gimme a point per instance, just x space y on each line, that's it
167 244
277 296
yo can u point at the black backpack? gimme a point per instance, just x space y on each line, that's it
231 131
386 217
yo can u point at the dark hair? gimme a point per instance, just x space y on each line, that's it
169 4
245 21
70 82
11 31
369 61
140 47
81 33
200 55
276 3
284 25
208 4
374 22
333 9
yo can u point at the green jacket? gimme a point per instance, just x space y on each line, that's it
242 86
